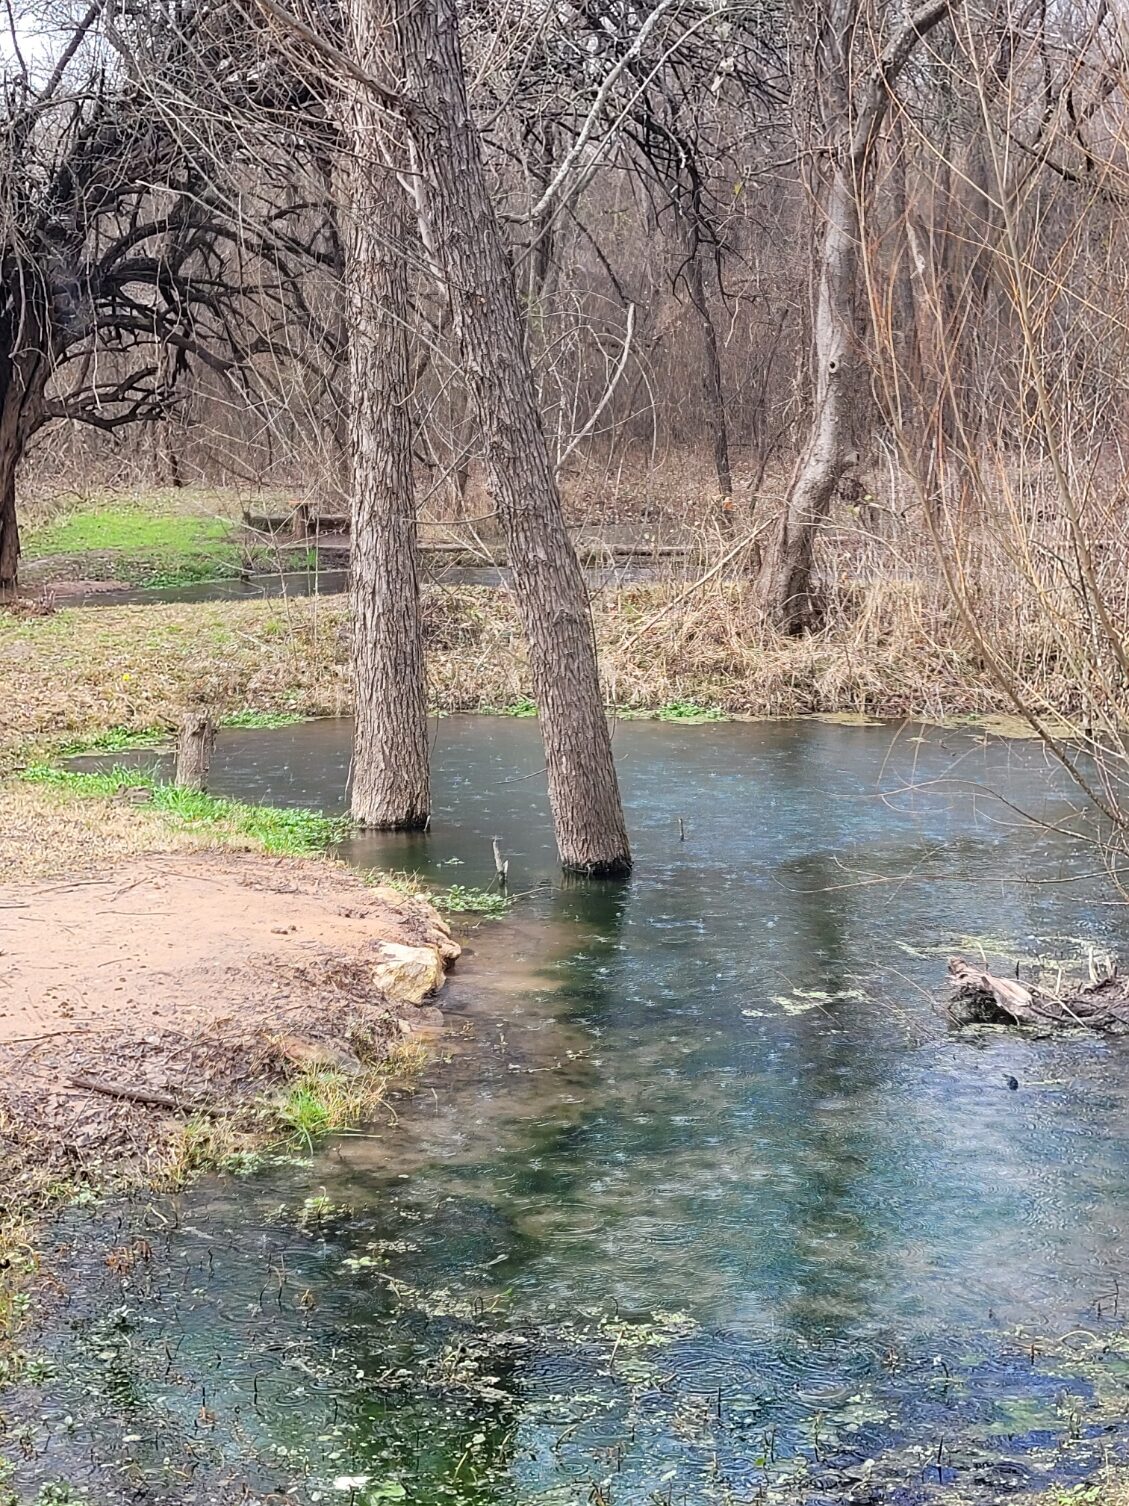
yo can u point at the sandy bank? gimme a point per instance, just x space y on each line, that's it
198 982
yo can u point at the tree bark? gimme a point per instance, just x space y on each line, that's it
11 451
854 114
390 785
548 584
713 391
786 581
194 749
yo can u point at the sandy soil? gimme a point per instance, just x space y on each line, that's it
176 939
200 976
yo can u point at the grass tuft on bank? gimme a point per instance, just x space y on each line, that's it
273 829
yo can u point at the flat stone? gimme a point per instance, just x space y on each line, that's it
407 974
306 1053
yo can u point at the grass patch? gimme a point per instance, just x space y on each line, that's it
521 705
323 1101
147 547
461 899
248 719
114 740
271 828
689 713
305 1110
455 899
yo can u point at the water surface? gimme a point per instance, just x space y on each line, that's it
701 1192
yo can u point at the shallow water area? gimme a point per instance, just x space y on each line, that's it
700 1196
330 581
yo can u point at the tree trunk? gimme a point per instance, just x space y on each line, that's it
11 451
390 785
786 575
194 749
855 108
713 392
548 584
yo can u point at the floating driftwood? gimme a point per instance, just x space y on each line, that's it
981 998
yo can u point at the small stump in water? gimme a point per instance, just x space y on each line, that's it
194 751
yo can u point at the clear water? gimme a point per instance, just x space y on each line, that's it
702 1194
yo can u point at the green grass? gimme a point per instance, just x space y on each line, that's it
265 719
154 548
150 541
690 713
304 1112
114 740
521 705
274 829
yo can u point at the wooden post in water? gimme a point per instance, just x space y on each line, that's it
194 750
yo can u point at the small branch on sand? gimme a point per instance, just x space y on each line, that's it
981 998
152 1097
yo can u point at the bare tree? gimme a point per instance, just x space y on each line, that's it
851 115
133 248
551 595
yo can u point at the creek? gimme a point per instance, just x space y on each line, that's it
700 1196
270 585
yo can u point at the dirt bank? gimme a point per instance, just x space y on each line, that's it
193 985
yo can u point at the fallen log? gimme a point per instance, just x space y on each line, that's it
979 997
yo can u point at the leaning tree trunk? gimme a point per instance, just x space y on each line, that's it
860 108
390 783
11 451
548 584
786 575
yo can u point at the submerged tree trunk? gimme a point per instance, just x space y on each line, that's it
390 783
548 584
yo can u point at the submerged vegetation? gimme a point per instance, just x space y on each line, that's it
460 899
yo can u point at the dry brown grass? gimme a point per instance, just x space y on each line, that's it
83 671
892 642
47 833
